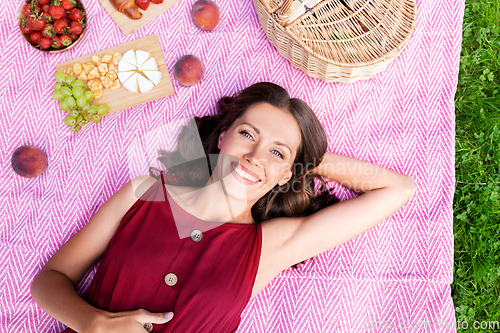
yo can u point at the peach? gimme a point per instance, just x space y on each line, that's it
29 161
189 70
205 14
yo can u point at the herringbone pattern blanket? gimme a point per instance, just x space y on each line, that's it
394 277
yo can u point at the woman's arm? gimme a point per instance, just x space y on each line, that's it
53 288
384 192
361 176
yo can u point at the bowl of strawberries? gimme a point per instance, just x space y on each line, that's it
52 25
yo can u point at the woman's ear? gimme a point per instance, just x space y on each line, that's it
221 137
286 178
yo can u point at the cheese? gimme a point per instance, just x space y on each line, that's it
124 66
138 71
149 65
124 76
142 57
154 76
144 84
131 84
129 57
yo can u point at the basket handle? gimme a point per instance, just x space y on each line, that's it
283 12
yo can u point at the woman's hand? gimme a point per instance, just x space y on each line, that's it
127 321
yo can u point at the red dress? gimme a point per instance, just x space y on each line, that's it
202 271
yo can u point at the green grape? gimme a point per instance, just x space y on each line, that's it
93 109
96 118
64 106
89 95
69 79
66 91
75 128
70 100
57 95
85 108
77 83
60 77
77 91
74 113
102 109
70 121
81 101
57 86
79 118
85 118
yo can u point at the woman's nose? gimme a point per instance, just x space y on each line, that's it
253 158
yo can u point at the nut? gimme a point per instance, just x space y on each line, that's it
106 82
103 68
96 59
68 71
97 93
94 74
83 76
87 67
112 76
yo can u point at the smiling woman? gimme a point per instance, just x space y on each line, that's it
205 243
270 141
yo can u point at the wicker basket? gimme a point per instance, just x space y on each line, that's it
338 40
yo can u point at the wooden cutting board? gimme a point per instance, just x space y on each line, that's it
128 25
121 98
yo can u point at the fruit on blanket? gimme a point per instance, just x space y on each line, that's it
59 26
24 27
29 161
142 4
45 43
56 42
75 27
57 11
189 70
35 36
205 14
75 99
157 1
68 4
127 7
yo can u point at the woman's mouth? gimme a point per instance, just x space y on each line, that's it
244 175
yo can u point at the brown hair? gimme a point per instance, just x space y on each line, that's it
296 197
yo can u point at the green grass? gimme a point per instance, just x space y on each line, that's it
476 285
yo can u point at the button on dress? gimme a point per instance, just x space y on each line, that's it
161 258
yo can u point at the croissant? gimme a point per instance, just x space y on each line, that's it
127 7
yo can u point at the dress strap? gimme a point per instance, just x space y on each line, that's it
163 185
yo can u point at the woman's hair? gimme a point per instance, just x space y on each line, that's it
296 197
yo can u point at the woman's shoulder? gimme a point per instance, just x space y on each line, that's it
140 184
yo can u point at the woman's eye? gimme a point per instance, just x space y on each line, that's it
279 154
246 134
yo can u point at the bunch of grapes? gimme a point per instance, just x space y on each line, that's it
75 99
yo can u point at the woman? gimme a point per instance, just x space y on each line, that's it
255 216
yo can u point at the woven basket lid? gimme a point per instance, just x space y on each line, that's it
347 33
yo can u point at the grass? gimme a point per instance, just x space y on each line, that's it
476 285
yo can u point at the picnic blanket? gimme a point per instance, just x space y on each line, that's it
394 278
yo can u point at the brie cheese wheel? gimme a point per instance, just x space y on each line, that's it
142 57
138 71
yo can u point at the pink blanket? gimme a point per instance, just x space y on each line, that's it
395 277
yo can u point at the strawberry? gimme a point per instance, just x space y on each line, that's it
157 1
68 4
35 22
75 27
46 17
56 42
66 40
76 15
29 9
43 2
60 25
142 4
35 37
24 28
56 11
48 31
73 36
46 8
45 43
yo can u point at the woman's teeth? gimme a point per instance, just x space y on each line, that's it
243 174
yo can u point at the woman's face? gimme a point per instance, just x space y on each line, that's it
257 152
